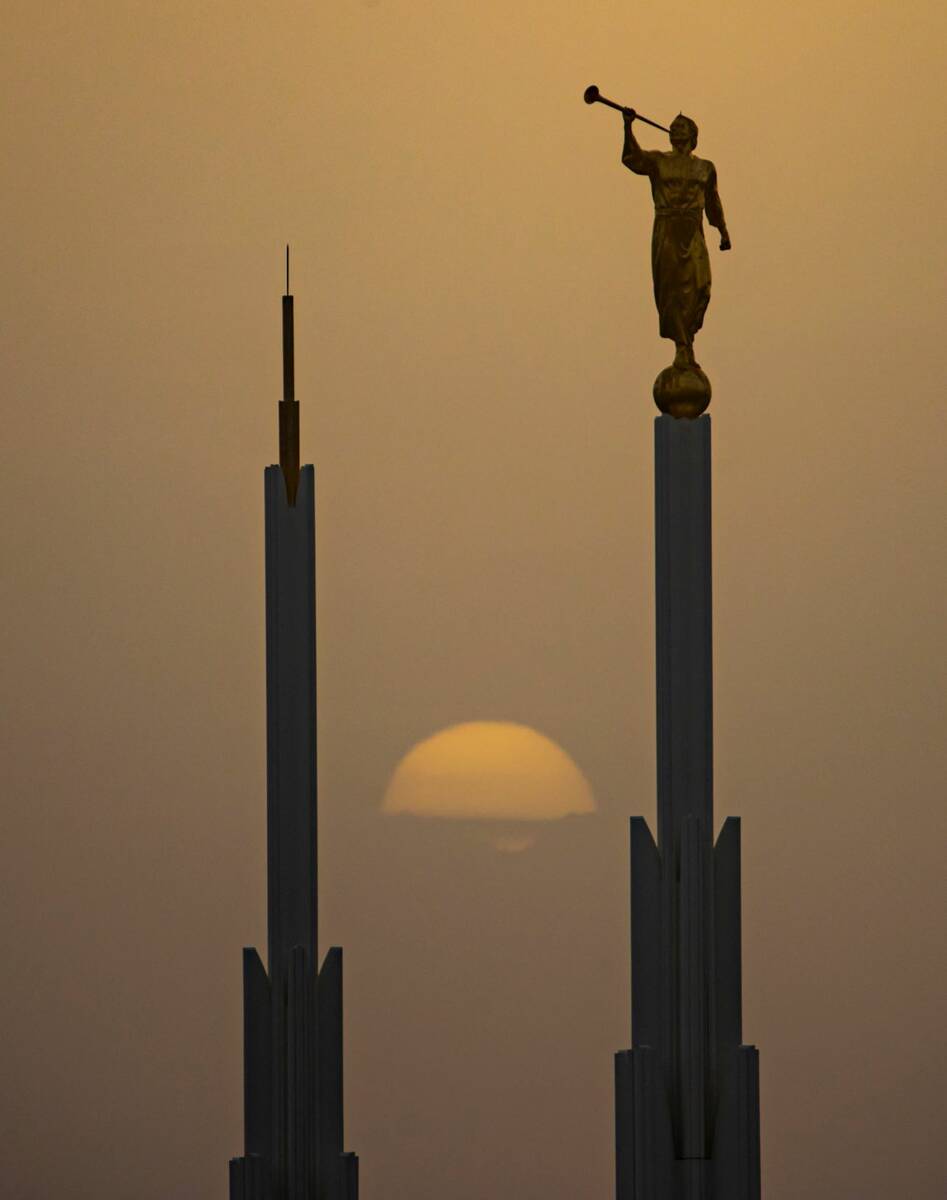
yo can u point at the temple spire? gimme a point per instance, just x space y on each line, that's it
687 1092
293 1101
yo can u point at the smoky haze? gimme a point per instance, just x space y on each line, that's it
475 345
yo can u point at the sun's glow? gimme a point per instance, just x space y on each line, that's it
488 770
514 843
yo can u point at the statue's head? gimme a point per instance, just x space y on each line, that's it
683 133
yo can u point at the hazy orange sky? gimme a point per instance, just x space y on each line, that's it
475 344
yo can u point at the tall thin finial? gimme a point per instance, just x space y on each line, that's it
288 408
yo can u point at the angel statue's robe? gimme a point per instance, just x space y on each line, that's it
684 187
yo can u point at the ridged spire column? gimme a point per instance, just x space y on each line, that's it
293 1132
687 1104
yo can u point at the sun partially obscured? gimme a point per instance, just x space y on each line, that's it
489 771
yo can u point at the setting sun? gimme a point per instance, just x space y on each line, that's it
488 770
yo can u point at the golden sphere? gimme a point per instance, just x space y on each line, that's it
682 391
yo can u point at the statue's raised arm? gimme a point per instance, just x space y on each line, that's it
632 156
